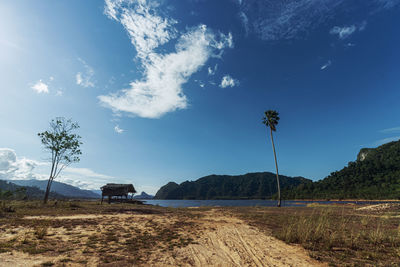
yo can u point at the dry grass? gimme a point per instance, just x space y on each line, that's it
82 233
126 234
341 236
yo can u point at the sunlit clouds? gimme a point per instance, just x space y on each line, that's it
85 78
40 87
228 81
160 90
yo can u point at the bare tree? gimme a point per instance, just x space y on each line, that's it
64 146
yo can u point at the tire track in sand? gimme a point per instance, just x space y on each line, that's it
228 241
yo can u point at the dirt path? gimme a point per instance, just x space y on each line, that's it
228 241
219 240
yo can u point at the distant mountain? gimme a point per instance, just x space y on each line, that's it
60 188
30 192
247 186
143 195
98 192
374 175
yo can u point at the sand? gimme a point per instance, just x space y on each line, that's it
228 241
219 240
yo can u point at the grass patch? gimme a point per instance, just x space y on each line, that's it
41 231
341 236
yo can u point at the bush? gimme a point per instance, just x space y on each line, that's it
41 231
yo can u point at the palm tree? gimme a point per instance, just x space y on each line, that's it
270 120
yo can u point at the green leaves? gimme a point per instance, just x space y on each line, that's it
271 119
62 142
63 145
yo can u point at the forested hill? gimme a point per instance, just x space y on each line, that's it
59 188
374 175
247 186
9 190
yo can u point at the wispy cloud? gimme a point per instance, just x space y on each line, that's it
40 87
86 178
245 22
391 130
343 32
200 82
362 25
326 65
160 90
118 130
228 81
277 20
13 167
146 29
386 140
212 71
386 4
289 19
85 79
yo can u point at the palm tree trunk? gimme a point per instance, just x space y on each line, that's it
277 173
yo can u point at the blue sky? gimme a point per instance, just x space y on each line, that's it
175 90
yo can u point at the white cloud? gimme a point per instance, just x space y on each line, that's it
59 93
118 130
212 71
111 7
228 81
245 22
40 87
85 78
391 130
343 32
86 178
200 82
277 20
13 167
326 65
389 3
289 19
362 26
145 28
160 90
386 140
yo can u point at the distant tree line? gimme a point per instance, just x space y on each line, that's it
262 185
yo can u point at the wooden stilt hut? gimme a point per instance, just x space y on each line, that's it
116 190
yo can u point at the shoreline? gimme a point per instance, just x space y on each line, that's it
294 200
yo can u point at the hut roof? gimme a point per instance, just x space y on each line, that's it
117 189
